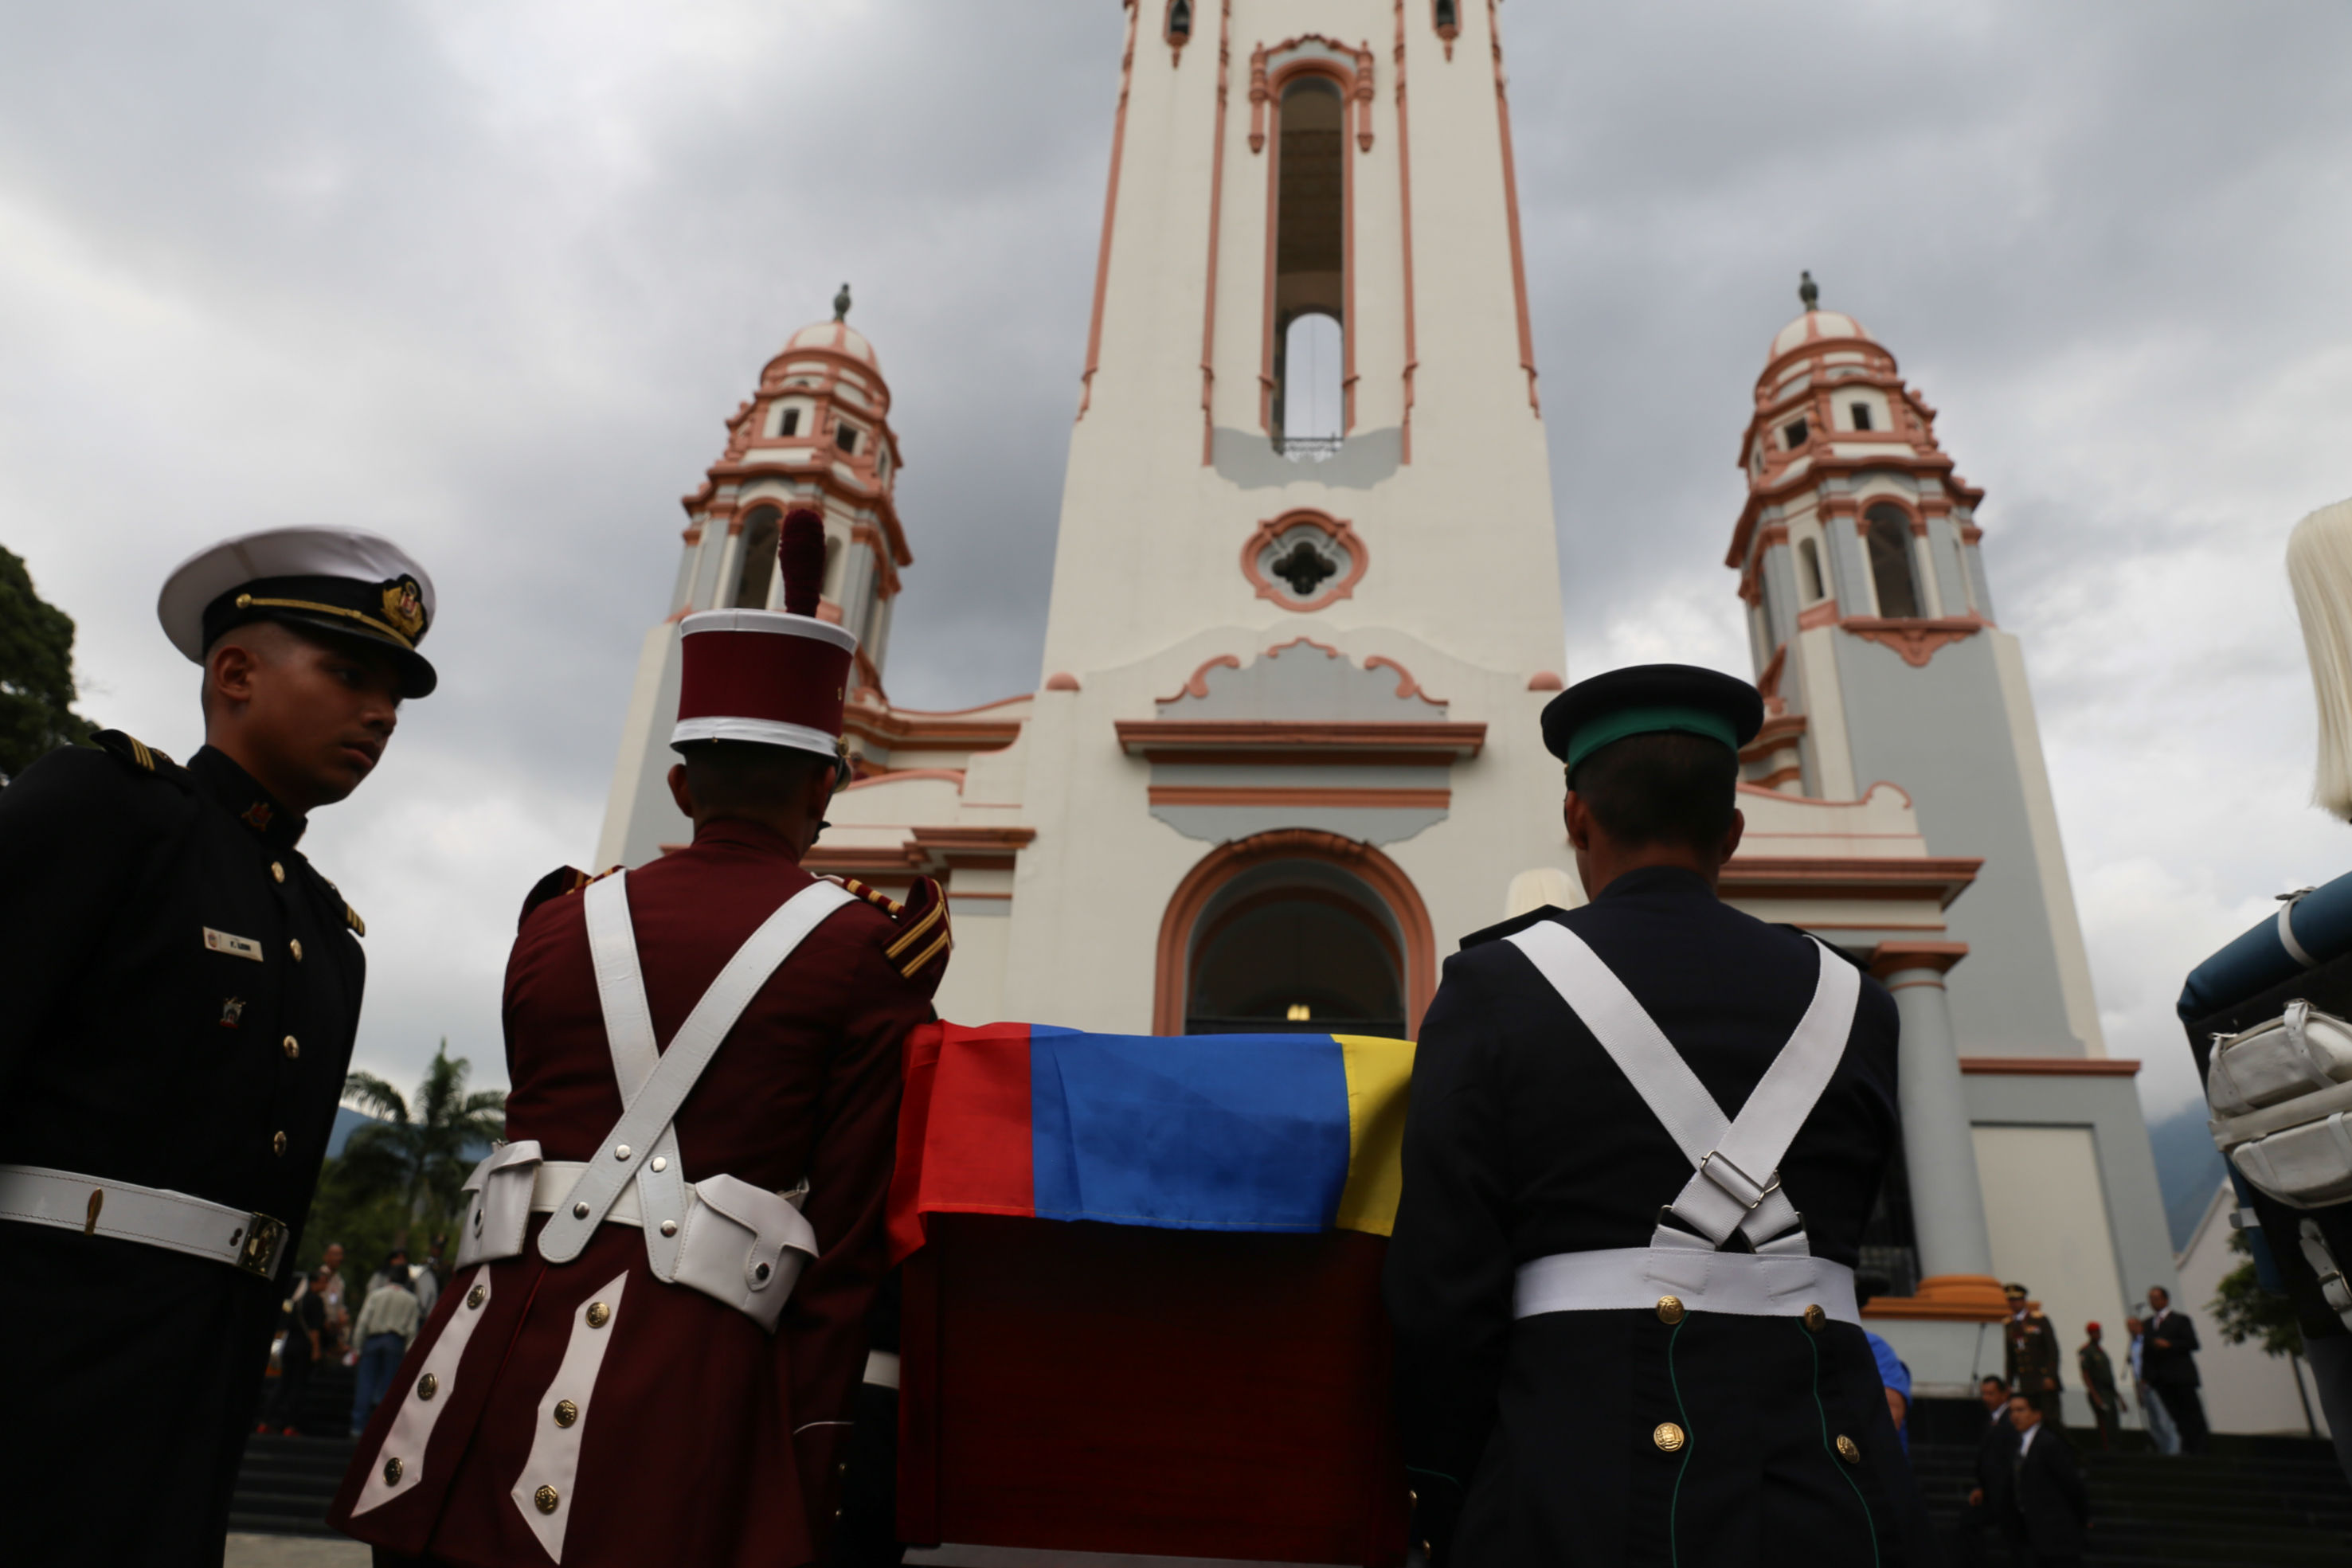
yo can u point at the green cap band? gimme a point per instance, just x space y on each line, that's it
1617 725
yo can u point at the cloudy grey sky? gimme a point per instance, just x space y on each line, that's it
487 278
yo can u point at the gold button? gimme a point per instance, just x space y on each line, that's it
599 1314
1816 1318
1669 1309
546 1498
1848 1449
293 1048
1668 1437
476 1296
427 1387
276 872
391 1472
566 1412
294 943
278 1143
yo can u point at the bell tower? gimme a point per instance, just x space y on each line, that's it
1862 565
1309 402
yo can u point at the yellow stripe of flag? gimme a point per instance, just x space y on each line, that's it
1379 1078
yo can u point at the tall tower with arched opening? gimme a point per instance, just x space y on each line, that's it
1305 604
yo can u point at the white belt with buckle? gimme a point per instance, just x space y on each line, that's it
248 1242
1747 1284
552 1180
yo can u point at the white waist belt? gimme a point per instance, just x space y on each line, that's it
1749 1285
248 1242
552 1182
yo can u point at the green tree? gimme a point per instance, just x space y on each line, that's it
2246 1311
419 1157
37 684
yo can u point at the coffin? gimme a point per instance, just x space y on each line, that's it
1142 1311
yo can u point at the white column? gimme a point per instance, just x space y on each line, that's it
1947 1213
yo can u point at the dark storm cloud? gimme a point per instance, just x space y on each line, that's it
488 279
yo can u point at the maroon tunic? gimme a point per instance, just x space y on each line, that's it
706 1440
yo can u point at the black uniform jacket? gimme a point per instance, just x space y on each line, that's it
1523 1140
2038 1497
136 1046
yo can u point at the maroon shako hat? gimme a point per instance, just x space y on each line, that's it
766 676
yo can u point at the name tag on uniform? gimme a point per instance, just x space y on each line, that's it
235 947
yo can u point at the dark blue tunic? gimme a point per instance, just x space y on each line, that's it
1524 1139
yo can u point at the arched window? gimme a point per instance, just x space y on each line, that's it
1447 15
1890 562
1296 944
1180 20
758 562
1310 263
1809 572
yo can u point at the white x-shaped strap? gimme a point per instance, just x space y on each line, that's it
1735 1183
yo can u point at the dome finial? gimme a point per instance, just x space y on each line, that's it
1808 291
841 304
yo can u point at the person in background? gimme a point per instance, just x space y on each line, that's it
306 1319
1891 1370
1994 1441
2033 1348
333 1299
383 1330
427 1275
2040 1496
2161 1429
2168 1363
397 1263
2099 1383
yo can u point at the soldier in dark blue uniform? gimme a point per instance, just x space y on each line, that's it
182 990
1645 1137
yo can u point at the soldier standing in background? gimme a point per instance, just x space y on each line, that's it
2099 1383
2033 1355
182 991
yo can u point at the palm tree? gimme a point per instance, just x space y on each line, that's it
424 1155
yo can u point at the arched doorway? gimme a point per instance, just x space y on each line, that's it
1293 930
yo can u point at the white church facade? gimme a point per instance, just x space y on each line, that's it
1283 751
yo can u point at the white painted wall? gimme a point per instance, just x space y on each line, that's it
2046 1206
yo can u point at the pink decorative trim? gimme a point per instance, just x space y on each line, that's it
1511 209
905 776
1216 216
1917 641
1061 681
1110 213
826 610
2050 1066
1288 794
1197 685
1446 31
1313 742
1404 215
1167 35
1825 613
1542 680
1328 651
1337 530
1889 958
1354 86
1406 685
1768 684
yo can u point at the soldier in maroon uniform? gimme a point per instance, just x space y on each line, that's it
651 1344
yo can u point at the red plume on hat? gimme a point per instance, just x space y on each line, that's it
800 555
770 677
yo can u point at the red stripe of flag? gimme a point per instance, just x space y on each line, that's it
965 1138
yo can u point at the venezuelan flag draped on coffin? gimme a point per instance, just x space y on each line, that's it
1142 1292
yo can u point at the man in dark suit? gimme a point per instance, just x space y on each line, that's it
1995 1442
1617 1341
2168 1365
2037 1493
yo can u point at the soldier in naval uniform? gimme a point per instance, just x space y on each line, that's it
182 988
651 1344
1643 1140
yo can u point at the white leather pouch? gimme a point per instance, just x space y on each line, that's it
744 1245
498 1204
2305 1166
2295 1053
